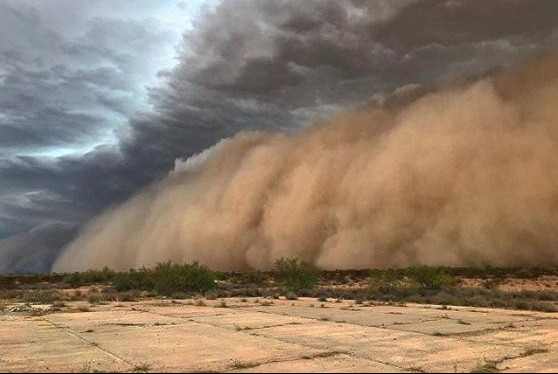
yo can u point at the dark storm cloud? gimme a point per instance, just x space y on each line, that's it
47 126
292 55
249 64
35 250
69 190
276 65
450 22
61 91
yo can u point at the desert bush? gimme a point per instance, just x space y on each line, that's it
291 296
141 279
211 295
252 277
253 291
131 295
100 298
11 294
545 307
74 280
389 285
168 280
77 295
433 286
194 278
429 278
385 281
41 296
295 275
89 277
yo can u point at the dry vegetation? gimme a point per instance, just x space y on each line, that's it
479 287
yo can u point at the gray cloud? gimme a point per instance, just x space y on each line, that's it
70 76
68 90
35 250
450 22
276 65
247 64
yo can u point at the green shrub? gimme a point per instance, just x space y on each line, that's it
295 275
385 281
141 279
89 277
167 279
253 277
74 280
170 279
429 278
390 285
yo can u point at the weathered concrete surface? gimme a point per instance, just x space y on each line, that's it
277 336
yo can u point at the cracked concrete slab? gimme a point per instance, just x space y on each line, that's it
34 345
402 349
333 364
539 333
249 321
445 327
191 347
93 320
540 363
359 316
259 335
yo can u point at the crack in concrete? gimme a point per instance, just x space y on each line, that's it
92 344
295 359
180 317
411 369
348 353
454 336
254 333
269 326
510 358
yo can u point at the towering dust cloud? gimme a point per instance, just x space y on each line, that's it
464 175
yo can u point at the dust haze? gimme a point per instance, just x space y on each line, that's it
461 175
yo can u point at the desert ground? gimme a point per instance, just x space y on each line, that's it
264 335
341 325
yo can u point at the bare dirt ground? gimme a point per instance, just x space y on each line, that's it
264 335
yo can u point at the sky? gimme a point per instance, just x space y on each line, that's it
98 99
